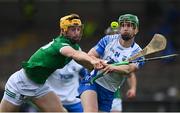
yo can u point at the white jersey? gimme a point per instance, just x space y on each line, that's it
65 82
110 49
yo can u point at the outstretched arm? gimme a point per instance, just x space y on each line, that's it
82 58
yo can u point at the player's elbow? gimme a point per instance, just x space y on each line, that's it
132 68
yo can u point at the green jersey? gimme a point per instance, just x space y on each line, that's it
47 59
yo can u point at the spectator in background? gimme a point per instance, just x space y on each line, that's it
28 10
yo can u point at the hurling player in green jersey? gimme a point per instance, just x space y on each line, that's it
28 82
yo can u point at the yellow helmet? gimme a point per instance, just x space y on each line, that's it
70 20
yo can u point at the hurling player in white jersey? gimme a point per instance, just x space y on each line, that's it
131 93
65 82
113 48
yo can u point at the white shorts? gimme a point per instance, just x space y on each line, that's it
19 88
116 105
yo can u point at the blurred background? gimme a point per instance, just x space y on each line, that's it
26 25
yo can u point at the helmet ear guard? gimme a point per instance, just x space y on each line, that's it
70 20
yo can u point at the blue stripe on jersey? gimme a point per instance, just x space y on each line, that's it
135 51
100 47
140 64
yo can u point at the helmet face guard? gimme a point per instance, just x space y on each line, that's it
129 18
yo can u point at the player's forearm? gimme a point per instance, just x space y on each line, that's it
83 59
123 69
132 81
126 69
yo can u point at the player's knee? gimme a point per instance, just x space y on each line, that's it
6 106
